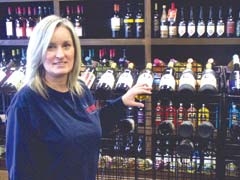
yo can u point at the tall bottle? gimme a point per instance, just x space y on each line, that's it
191 26
139 22
208 82
164 23
201 26
172 16
125 80
128 22
159 113
205 127
220 27
234 121
20 24
187 81
210 24
238 25
145 77
10 24
234 79
78 22
168 83
116 21
68 14
230 24
156 20
182 26
30 22
141 117
106 82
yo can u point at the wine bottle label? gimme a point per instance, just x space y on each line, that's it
145 78
29 31
126 79
191 30
187 78
230 27
156 25
201 30
9 28
172 30
164 31
107 78
208 79
126 21
220 30
139 20
19 32
115 23
210 30
182 30
78 29
167 79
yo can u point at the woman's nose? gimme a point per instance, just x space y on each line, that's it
59 53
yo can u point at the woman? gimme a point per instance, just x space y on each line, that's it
53 127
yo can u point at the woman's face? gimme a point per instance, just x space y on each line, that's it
60 54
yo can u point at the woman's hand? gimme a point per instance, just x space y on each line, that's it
129 98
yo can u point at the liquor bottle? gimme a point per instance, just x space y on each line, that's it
106 82
201 26
208 82
187 81
139 22
125 80
20 24
185 127
191 25
10 24
192 115
164 23
40 15
210 24
128 22
234 79
67 14
167 84
116 22
238 25
234 122
220 27
156 20
205 127
145 77
78 22
167 126
182 26
141 119
159 113
127 124
30 22
230 24
172 16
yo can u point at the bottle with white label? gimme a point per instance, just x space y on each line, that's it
116 22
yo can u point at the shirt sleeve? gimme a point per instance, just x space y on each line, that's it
110 113
17 134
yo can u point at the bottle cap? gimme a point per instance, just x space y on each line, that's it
130 65
149 66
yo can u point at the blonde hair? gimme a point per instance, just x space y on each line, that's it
36 52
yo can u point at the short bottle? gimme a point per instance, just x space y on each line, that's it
167 84
125 80
106 82
187 81
208 82
145 77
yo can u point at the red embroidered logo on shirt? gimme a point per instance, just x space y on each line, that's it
91 108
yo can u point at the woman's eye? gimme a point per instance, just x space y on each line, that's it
51 46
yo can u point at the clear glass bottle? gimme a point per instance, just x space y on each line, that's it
164 23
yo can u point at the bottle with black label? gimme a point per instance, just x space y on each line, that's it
128 23
156 20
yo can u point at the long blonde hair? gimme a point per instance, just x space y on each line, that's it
36 52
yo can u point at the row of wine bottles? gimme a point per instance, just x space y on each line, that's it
199 23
